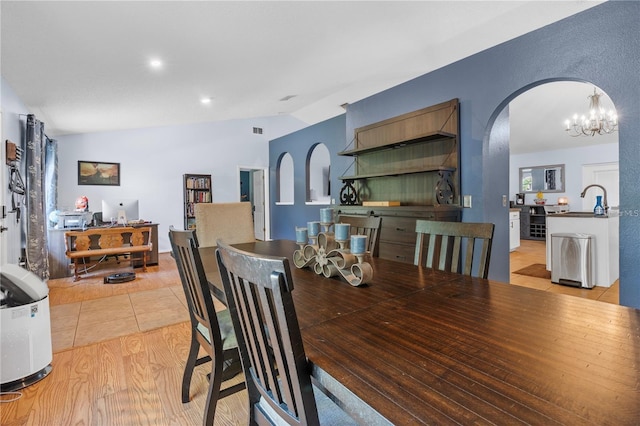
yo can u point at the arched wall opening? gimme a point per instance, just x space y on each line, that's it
285 179
318 179
549 103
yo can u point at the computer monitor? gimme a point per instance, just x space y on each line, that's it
120 211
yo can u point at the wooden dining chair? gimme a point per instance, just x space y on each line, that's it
258 290
446 242
365 225
209 330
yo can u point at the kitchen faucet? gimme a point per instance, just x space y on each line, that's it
584 191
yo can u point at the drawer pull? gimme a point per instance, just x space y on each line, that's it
401 257
401 229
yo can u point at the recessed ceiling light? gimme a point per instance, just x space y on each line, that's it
156 64
205 101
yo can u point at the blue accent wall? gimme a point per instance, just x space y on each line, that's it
284 218
599 46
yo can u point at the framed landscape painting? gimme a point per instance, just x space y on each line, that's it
98 173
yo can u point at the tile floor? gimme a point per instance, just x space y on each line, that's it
88 311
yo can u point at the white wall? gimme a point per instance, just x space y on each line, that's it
573 159
153 160
13 125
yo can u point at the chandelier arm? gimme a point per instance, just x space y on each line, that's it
599 122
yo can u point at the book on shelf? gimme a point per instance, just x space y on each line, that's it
198 182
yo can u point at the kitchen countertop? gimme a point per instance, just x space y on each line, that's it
578 214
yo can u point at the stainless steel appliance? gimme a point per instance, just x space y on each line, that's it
571 259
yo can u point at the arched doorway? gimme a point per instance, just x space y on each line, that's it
528 130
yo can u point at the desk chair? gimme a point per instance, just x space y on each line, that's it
209 330
258 290
445 244
365 225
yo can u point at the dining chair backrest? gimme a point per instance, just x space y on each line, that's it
452 246
230 222
258 290
258 293
214 335
365 225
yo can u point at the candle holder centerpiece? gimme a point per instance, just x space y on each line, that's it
332 253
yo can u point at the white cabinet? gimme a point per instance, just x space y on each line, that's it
604 245
514 229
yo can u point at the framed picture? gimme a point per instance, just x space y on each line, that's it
97 173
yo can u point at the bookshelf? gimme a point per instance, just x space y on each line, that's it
197 189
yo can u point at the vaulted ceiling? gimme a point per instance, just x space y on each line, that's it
83 66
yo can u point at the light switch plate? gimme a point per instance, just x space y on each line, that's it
466 201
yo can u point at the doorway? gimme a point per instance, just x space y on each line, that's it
253 187
532 144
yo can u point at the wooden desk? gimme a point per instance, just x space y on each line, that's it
59 263
420 346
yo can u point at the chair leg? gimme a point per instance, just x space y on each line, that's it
188 368
76 276
215 381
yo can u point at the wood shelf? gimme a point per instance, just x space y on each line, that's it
197 189
397 173
412 158
429 137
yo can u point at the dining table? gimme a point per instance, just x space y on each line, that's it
421 346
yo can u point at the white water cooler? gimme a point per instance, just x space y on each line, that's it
571 260
25 331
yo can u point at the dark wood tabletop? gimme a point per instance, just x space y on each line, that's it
421 346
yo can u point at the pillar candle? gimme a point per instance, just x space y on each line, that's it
301 236
326 215
358 244
342 231
314 228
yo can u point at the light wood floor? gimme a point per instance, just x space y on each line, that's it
116 360
530 252
119 351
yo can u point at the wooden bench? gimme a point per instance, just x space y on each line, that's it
108 242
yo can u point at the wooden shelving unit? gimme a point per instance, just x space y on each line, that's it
197 189
432 136
397 173
413 159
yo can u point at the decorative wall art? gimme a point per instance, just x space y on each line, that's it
98 173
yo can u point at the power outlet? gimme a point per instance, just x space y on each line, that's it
466 201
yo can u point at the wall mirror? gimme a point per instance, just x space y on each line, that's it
542 178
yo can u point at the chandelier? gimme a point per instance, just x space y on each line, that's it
599 122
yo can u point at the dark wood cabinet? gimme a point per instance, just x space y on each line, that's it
533 222
398 226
